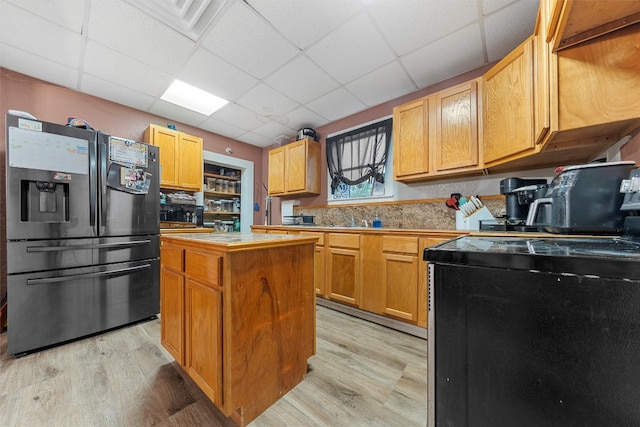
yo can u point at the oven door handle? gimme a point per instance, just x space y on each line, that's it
117 272
121 245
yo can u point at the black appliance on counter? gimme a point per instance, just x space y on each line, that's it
519 194
583 199
536 331
518 208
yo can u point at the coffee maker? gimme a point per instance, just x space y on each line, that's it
519 194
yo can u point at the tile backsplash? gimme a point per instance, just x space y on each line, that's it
429 215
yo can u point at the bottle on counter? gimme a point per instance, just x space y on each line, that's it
377 222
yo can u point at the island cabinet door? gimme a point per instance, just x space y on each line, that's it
172 313
204 338
172 300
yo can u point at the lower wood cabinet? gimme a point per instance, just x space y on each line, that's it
240 321
319 263
203 358
379 272
400 276
344 275
172 309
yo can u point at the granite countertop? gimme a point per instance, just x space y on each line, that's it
240 241
358 229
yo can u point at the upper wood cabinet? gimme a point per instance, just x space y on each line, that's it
438 134
574 21
411 139
456 142
180 157
294 169
508 105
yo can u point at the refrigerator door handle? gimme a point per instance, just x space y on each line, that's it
118 272
32 249
93 193
103 184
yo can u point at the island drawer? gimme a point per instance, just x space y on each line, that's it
204 267
171 257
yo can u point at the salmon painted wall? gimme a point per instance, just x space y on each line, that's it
372 114
53 103
630 151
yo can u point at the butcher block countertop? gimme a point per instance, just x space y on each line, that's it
234 242
237 313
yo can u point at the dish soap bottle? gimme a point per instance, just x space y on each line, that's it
236 224
377 222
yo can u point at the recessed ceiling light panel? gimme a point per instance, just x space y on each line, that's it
193 98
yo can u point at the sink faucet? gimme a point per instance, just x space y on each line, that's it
351 218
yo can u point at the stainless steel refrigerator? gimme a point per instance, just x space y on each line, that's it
83 227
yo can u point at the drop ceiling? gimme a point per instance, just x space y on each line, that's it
282 64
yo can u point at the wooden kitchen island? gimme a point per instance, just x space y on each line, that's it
238 315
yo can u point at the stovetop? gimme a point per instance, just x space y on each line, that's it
611 257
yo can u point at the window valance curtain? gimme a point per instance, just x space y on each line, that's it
359 155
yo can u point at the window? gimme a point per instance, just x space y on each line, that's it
357 161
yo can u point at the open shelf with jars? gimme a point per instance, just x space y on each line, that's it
221 198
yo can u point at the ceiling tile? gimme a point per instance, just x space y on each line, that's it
38 36
221 128
176 114
336 105
384 84
351 50
257 140
114 67
246 41
273 130
211 73
490 6
500 38
24 62
237 116
125 28
410 24
304 22
304 118
301 80
114 92
68 13
448 57
266 101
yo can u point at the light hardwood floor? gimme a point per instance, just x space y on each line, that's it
362 374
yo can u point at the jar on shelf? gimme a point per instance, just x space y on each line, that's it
236 205
211 183
226 205
225 186
219 185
